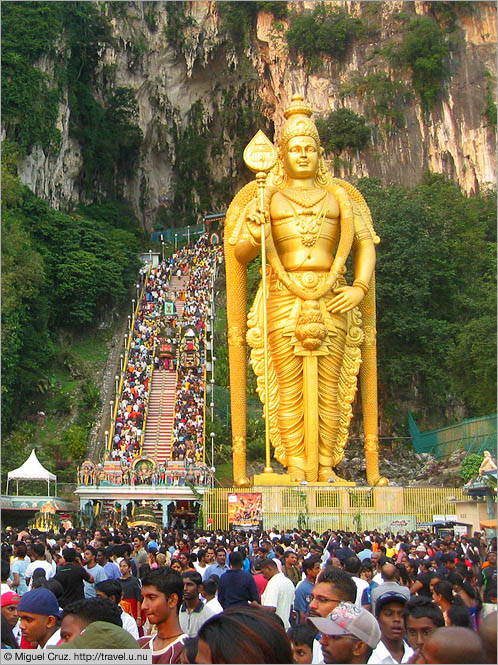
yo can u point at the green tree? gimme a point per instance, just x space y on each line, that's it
29 99
425 51
25 337
343 129
75 440
434 268
470 467
324 31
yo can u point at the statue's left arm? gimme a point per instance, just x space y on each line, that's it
348 297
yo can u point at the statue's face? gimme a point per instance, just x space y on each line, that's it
301 157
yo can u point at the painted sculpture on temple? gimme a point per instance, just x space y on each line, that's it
320 329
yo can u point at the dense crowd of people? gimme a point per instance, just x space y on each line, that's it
288 595
188 426
155 339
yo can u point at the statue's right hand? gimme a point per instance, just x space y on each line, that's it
254 223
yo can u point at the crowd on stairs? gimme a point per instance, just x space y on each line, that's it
156 321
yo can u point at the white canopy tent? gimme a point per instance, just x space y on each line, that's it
32 469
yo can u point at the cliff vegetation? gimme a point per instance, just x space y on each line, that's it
124 117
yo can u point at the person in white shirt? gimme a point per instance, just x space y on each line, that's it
112 590
352 565
208 592
38 561
201 565
279 593
390 613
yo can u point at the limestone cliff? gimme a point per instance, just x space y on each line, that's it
190 81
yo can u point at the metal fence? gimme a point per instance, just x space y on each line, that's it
345 508
475 435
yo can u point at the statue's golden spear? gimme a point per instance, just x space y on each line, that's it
260 156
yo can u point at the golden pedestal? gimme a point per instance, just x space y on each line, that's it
279 479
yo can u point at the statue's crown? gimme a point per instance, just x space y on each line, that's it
298 122
298 106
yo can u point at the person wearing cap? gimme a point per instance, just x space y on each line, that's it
9 602
332 586
389 608
389 587
101 635
39 613
421 551
348 634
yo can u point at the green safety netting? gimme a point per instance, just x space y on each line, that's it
475 435
182 233
222 405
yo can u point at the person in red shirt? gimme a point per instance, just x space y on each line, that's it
162 595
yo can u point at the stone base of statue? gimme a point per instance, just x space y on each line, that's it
276 479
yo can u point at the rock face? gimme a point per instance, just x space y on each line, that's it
169 76
403 466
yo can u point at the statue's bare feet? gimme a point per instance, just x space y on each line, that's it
243 482
377 480
295 474
326 473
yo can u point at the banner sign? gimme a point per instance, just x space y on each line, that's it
245 511
397 523
169 308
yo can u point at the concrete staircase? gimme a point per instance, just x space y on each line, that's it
158 428
159 425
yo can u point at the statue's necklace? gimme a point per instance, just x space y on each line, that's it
308 223
306 198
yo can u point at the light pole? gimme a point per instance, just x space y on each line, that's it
111 404
212 448
162 249
133 306
129 322
121 359
212 367
126 340
117 383
106 438
212 399
188 235
176 241
150 257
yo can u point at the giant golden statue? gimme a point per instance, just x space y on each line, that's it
320 331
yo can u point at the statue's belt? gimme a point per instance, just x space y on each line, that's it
307 279
287 307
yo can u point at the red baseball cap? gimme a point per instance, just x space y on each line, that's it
10 598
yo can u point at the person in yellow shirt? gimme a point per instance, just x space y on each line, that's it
390 549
